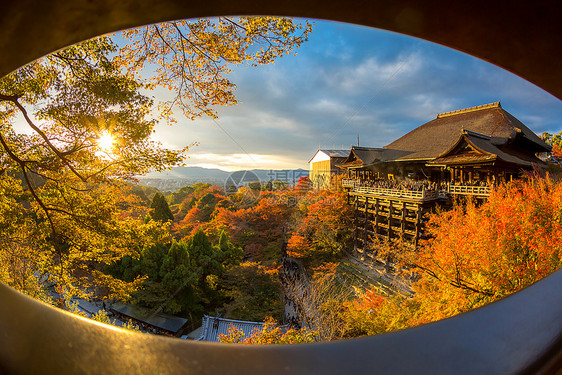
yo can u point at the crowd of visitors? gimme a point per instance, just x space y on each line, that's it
473 183
409 185
419 185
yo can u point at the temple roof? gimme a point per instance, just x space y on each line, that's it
476 148
431 139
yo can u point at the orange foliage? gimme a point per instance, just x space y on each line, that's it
508 243
190 224
324 227
327 269
478 254
299 246
303 185
270 333
557 150
197 209
254 228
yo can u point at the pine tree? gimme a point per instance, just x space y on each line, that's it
160 209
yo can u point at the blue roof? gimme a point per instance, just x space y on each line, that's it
214 326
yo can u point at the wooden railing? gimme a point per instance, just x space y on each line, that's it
469 190
398 193
349 183
417 194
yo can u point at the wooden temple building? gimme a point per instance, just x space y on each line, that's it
325 171
464 152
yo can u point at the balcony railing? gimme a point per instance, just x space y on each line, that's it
417 194
469 190
350 183
398 193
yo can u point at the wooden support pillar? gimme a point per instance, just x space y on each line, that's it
389 220
365 223
418 225
376 216
355 224
403 224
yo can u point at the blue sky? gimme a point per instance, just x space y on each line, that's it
347 81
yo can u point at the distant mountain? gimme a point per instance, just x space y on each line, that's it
182 176
188 172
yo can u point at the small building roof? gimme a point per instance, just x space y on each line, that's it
363 156
166 322
431 139
331 153
214 326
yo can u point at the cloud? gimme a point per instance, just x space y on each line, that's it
234 162
349 81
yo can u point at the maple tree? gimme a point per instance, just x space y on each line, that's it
196 209
304 185
557 150
193 57
258 229
477 255
322 228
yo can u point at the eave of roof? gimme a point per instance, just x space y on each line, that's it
487 150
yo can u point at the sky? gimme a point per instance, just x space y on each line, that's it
348 81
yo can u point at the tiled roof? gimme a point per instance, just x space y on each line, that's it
214 326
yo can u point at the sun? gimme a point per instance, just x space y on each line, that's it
106 141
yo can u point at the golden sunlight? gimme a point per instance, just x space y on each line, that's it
105 141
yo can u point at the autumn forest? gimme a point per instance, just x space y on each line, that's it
76 223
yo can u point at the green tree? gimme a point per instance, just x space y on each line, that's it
178 279
230 255
254 292
160 209
552 139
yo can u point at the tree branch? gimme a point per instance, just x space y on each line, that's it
62 157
